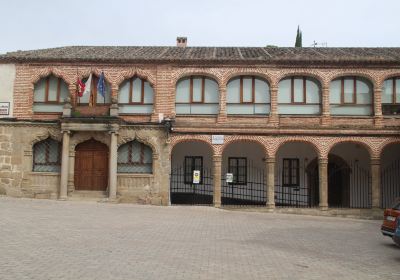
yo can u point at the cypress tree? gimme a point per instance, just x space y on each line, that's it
299 38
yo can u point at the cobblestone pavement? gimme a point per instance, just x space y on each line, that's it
43 239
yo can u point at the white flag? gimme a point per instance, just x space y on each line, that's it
88 85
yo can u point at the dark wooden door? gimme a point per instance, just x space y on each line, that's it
91 166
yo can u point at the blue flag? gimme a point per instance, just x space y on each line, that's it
101 85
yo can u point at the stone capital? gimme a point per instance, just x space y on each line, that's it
270 160
322 160
375 161
217 158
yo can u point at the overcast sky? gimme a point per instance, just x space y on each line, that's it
37 24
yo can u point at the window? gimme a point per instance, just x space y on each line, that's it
135 157
136 96
291 172
247 96
299 95
47 156
391 97
351 96
49 94
238 167
193 163
95 97
197 96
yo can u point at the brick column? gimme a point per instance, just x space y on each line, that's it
222 115
326 110
112 186
378 118
217 166
273 116
376 182
323 183
64 166
270 181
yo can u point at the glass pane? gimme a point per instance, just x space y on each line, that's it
284 94
364 92
233 91
64 91
335 92
262 94
304 109
148 155
53 88
182 91
365 110
39 91
53 151
211 92
123 94
137 90
197 94
148 93
348 90
136 151
123 153
247 90
313 92
298 90
397 91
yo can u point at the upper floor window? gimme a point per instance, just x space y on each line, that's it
135 96
197 96
247 96
391 96
95 97
351 96
299 95
47 156
49 93
135 157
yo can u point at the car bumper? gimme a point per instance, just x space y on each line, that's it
387 231
396 239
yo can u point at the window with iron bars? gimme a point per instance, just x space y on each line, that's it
47 156
135 157
238 167
291 172
193 163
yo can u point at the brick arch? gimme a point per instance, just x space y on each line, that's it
43 136
45 72
96 72
388 143
201 138
193 72
369 77
258 74
388 76
142 74
231 140
306 74
366 146
144 140
309 142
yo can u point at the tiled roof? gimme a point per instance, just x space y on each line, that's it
267 55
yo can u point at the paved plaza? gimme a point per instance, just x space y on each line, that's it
44 239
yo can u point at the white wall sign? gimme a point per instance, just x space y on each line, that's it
217 139
4 108
229 177
196 176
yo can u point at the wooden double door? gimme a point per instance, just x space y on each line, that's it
91 166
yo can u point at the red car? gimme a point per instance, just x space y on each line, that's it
389 221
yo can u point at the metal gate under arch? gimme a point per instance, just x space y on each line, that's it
390 183
182 192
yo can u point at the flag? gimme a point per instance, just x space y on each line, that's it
81 87
101 85
88 85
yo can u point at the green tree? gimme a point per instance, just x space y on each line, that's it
299 38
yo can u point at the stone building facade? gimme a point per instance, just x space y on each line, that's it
267 116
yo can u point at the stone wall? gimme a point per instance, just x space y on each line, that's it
18 180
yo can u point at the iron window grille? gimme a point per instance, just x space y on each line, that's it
135 157
47 156
238 167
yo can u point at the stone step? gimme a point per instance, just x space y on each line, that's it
88 195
